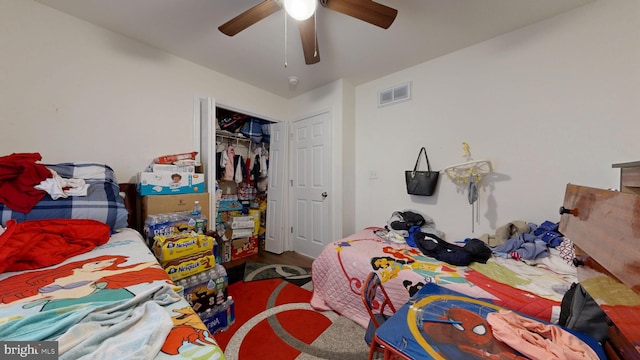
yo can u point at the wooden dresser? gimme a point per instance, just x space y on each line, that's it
605 227
629 176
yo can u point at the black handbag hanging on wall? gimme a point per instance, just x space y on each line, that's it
421 182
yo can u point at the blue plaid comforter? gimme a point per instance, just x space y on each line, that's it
102 203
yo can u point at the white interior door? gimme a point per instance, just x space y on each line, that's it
275 236
311 184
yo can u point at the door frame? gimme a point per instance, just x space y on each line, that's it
292 168
205 132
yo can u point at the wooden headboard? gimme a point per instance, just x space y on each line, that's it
605 227
131 202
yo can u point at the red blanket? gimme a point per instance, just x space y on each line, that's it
40 243
19 174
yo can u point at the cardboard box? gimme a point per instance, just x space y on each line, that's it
224 250
170 183
241 248
164 204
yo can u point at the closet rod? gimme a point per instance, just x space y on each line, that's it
233 137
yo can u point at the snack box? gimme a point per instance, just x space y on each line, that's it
182 267
238 233
244 247
171 247
170 183
168 159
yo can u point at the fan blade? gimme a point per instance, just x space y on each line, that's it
365 10
309 40
249 17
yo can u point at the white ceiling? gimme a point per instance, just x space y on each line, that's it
349 48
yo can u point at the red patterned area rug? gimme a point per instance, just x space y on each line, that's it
275 321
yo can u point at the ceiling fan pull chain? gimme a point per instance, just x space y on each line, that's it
285 39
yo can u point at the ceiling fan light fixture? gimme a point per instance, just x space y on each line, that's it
300 9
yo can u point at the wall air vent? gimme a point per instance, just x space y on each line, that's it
394 95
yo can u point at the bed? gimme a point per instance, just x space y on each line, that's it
533 288
112 301
601 234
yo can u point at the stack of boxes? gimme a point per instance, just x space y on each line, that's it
176 233
189 259
171 184
237 225
170 175
240 230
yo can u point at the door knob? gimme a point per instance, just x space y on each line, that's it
324 195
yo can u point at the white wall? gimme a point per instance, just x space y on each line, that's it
550 104
75 92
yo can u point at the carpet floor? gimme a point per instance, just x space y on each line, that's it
275 321
297 275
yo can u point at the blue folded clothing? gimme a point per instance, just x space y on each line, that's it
544 227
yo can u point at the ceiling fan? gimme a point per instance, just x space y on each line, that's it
365 10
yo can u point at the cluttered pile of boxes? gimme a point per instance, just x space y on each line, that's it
175 228
237 227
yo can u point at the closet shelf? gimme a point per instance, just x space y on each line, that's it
228 135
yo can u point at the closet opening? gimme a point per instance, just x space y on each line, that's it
242 144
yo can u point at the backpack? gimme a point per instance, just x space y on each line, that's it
579 312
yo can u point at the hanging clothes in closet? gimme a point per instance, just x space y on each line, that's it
230 166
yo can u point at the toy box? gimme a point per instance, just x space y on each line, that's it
169 183
244 247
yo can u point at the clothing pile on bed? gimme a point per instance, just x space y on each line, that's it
419 231
30 190
24 182
518 239
525 241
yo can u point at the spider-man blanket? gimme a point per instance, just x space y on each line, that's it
441 324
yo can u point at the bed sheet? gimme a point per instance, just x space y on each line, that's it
111 301
535 289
